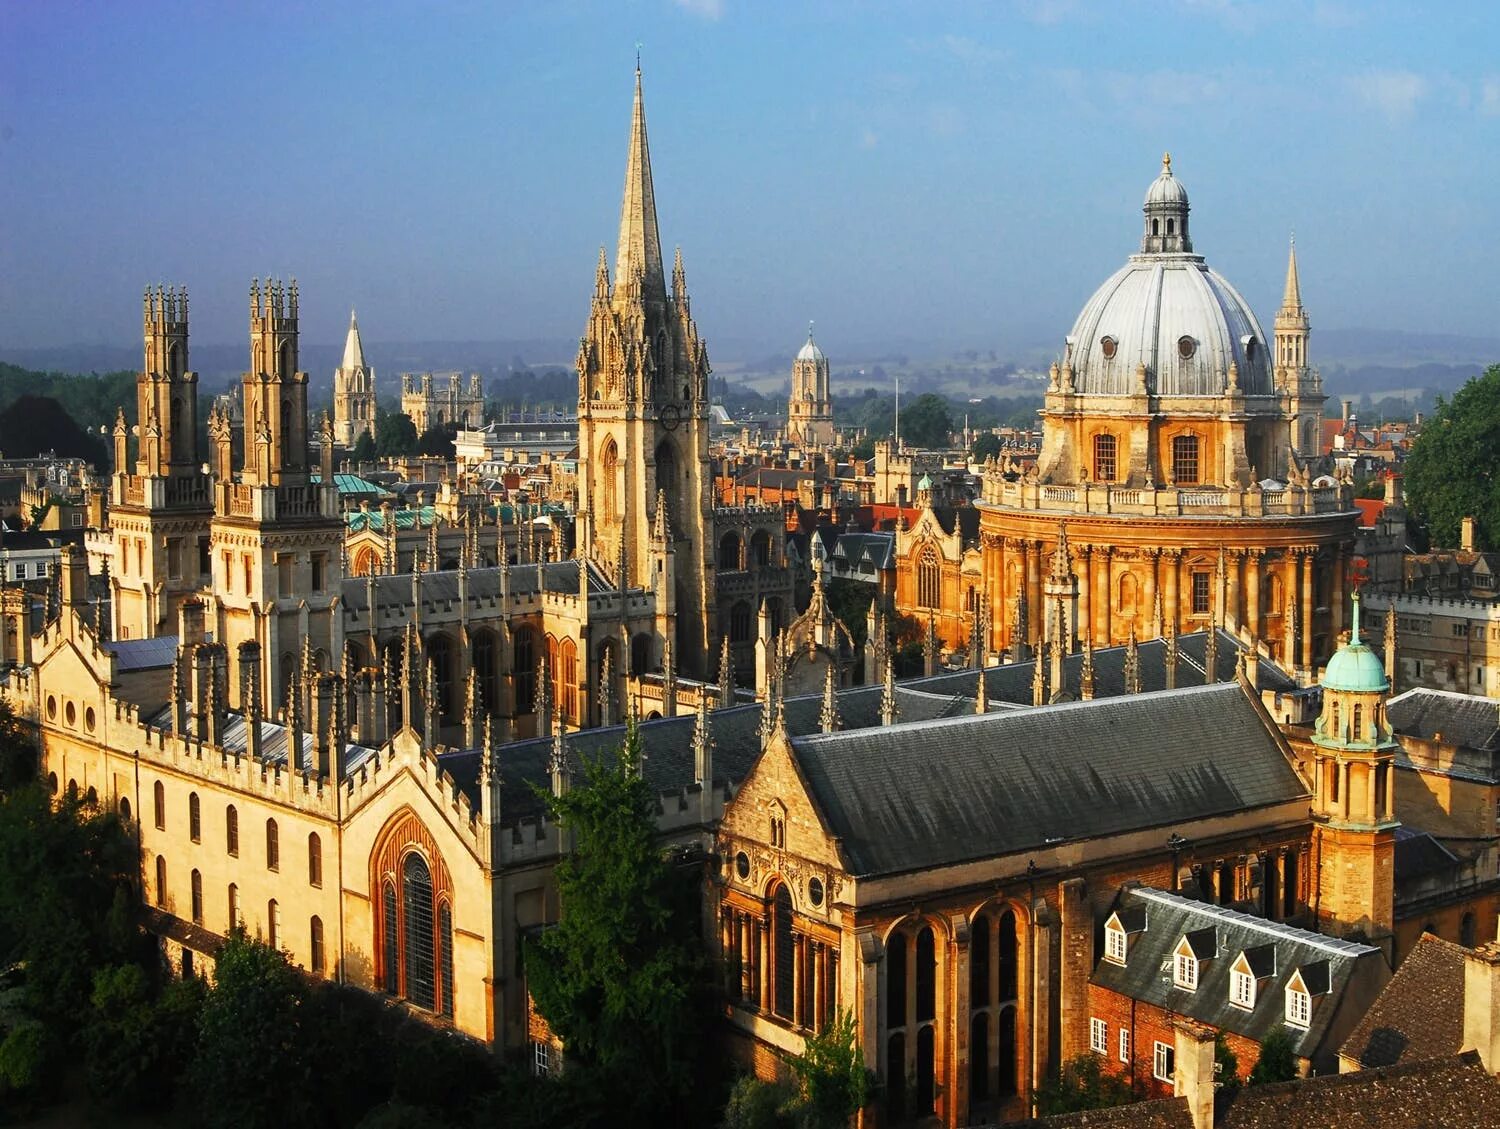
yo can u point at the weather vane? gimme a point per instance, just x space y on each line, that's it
637 56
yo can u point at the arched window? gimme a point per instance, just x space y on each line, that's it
445 956
729 552
52 783
524 669
390 937
195 823
232 831
911 1008
926 975
91 796
273 924
197 888
440 655
640 654
1185 459
273 846
567 679
161 880
315 930
1104 458
418 965
159 805
760 548
783 955
125 808
314 860
609 470
929 579
234 906
486 670
739 623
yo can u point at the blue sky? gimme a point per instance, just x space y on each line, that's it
953 175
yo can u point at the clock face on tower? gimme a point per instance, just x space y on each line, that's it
670 416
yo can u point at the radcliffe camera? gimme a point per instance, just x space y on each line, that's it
963 592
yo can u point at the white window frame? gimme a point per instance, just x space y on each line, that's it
1185 972
1241 989
1124 1044
1161 1061
1098 1036
1298 1008
1116 945
541 1059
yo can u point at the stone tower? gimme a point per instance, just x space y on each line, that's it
160 514
1354 831
809 415
277 534
353 391
1300 385
643 417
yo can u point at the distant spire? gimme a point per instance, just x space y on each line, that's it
1291 300
354 349
640 243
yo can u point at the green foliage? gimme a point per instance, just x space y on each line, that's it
137 1040
618 978
91 401
248 1034
1228 1064
34 425
1451 471
436 440
1371 487
927 421
849 600
395 434
831 1074
1277 1061
363 450
18 750
1081 1084
864 449
27 1059
754 1104
984 446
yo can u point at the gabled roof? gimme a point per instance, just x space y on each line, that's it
1420 1015
943 792
1273 950
1457 719
1418 855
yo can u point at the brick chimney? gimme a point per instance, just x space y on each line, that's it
1466 535
1193 1070
1482 1004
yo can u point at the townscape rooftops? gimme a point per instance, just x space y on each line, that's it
1274 951
1457 719
1420 1015
483 583
948 791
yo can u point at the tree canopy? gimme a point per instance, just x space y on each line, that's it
927 421
619 978
1277 1061
1451 471
984 446
1081 1084
34 425
395 434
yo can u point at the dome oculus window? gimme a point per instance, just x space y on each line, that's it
742 865
815 892
1109 346
1186 347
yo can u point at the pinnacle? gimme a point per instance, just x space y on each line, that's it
1292 298
639 250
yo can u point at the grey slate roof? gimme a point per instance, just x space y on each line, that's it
484 583
1461 719
947 791
1277 949
1420 1015
876 549
1418 854
143 654
275 740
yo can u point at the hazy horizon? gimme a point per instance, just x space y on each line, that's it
961 177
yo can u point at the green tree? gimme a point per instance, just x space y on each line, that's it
984 446
363 450
248 1040
1227 1063
1451 471
18 750
395 434
619 977
754 1104
1081 1084
137 1040
834 1084
927 421
436 440
849 600
1277 1061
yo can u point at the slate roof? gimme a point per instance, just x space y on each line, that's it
143 654
1273 948
1420 1015
878 549
1418 854
943 792
275 739
1461 719
483 583
1446 1093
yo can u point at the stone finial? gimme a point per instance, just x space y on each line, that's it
726 676
1132 668
828 716
1211 656
890 711
981 695
1087 680
703 745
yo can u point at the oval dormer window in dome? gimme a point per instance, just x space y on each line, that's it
1186 347
1109 346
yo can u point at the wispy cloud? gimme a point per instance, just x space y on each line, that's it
1489 97
869 138
1392 93
707 9
968 50
1147 91
1048 11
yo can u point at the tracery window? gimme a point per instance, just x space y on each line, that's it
739 623
524 669
273 846
315 932
159 805
911 1007
414 927
929 579
197 891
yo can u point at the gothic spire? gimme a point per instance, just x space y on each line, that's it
1291 300
354 349
640 244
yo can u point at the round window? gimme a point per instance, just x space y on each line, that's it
88 718
742 865
51 707
815 892
1186 347
71 713
1108 345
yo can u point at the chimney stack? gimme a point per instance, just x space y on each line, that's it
1466 534
75 577
1347 406
1193 1073
1482 1004
190 622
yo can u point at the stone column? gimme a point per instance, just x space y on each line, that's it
762 965
747 959
1252 593
799 952
1288 609
1034 609
1148 590
1172 602
1307 609
1085 626
817 986
1346 809
1232 618
1101 606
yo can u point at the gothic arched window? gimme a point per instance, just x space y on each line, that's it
784 949
739 623
418 964
609 469
486 670
523 670
567 679
929 579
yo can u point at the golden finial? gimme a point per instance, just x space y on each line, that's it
1166 164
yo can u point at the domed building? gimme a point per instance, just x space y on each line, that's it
1177 441
810 408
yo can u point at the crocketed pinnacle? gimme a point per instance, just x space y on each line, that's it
640 243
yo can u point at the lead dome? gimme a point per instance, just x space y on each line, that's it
1168 311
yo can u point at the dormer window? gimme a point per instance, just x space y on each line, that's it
1252 966
1307 982
1241 989
1298 1008
1194 948
1115 945
1185 971
1127 920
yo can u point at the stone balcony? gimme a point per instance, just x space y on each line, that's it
1166 501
